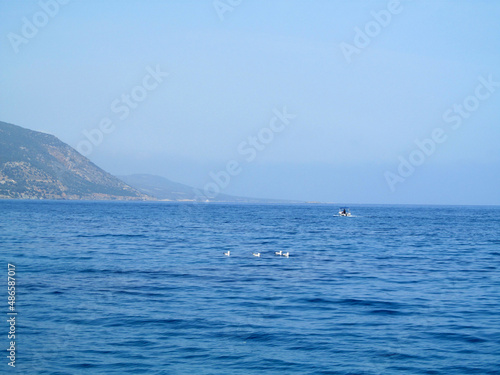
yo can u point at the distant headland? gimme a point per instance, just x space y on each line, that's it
35 165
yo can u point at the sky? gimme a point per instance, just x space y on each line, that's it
374 102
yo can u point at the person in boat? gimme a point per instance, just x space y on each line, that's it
344 212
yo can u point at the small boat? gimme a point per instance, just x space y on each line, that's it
344 211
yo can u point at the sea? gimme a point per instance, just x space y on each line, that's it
145 288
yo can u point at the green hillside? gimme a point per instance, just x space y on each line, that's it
35 165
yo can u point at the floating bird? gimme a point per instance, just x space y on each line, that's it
286 255
256 254
279 252
228 253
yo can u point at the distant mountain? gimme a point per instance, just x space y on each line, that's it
36 165
159 187
165 189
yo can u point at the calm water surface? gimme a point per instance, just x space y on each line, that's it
114 288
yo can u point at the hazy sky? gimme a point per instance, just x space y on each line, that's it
365 80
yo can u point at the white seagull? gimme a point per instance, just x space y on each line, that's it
278 252
286 255
256 254
228 253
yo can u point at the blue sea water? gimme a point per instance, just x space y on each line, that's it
144 288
